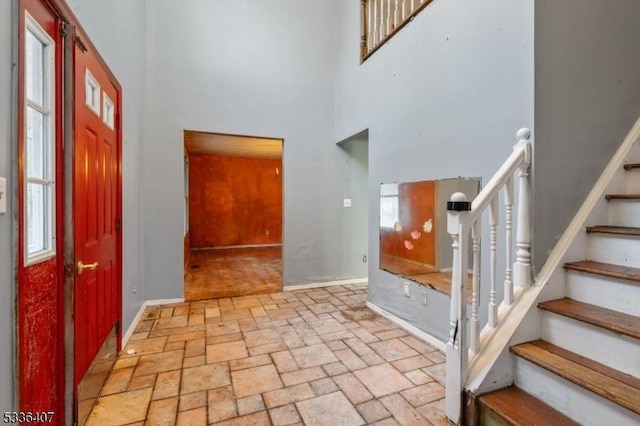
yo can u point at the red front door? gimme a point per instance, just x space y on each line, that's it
40 203
97 288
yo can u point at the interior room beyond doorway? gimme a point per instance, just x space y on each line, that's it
233 215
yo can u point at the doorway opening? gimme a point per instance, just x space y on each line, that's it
233 211
355 218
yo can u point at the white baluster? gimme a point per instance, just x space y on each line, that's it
375 23
522 267
388 25
413 6
457 352
508 276
381 23
364 48
396 15
475 301
369 25
404 10
493 224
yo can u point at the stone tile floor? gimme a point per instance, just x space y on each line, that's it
313 357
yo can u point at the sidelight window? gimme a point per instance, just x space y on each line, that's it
39 143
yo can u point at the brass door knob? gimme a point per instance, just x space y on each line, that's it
81 266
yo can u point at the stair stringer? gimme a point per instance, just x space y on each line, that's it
493 367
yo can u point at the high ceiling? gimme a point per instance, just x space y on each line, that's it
203 143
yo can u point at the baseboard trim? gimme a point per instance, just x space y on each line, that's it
408 327
136 319
324 284
237 247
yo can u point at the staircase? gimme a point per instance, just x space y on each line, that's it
585 368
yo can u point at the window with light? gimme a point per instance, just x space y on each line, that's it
39 143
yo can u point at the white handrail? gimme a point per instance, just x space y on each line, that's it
498 181
464 218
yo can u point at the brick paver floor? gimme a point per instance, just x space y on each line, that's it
312 357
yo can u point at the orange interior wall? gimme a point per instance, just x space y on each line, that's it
415 207
234 201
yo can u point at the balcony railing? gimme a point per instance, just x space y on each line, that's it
382 19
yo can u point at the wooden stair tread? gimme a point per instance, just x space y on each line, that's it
517 407
605 269
616 230
589 374
608 319
622 196
632 166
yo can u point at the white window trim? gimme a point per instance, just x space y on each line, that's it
48 111
90 81
108 111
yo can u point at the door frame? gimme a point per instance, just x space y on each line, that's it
186 182
22 277
79 36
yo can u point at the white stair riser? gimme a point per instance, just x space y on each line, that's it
624 213
621 295
574 401
632 181
612 349
616 249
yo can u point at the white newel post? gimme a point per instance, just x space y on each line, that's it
457 353
522 265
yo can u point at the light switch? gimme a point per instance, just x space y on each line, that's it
3 195
347 202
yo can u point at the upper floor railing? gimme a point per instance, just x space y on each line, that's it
464 218
381 19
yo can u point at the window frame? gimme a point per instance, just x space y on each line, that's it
47 110
389 192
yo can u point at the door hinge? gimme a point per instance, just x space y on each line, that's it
80 43
118 224
65 29
69 270
117 327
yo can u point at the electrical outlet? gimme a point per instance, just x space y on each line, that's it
424 299
407 289
3 195
134 288
364 258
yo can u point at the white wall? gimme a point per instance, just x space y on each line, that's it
254 68
118 30
444 98
7 249
587 98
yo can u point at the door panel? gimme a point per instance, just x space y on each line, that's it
40 328
96 207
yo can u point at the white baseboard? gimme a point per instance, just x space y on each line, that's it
157 302
237 247
324 284
136 320
442 346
